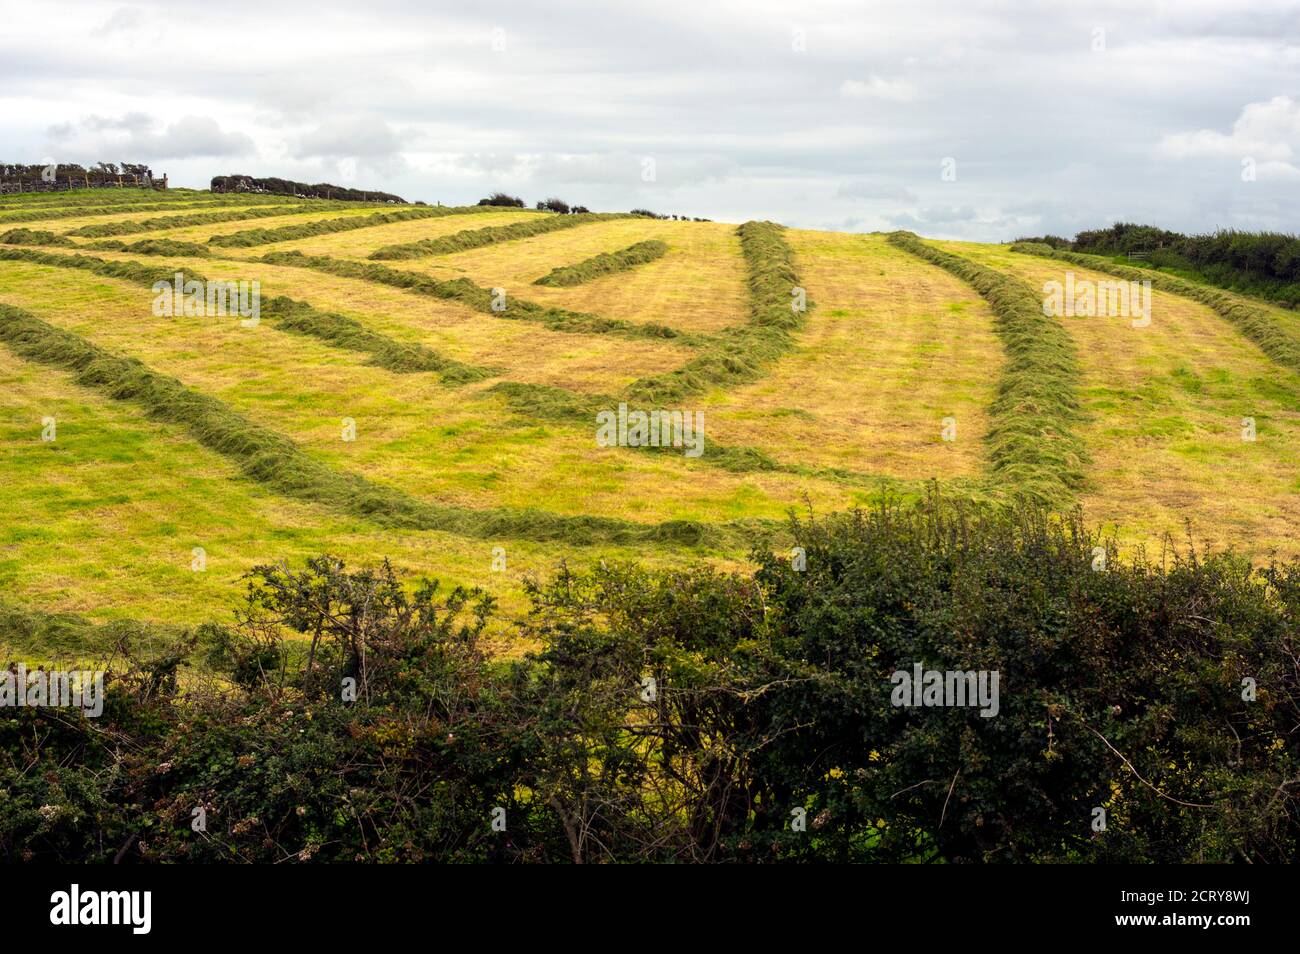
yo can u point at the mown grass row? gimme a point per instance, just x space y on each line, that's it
280 464
120 197
162 246
287 233
481 299
1280 345
491 235
96 197
23 236
111 229
52 214
606 263
545 402
777 309
1033 449
287 314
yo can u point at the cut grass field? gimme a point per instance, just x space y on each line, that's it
1164 406
475 428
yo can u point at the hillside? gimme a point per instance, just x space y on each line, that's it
411 391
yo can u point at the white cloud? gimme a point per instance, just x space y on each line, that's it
878 87
349 137
1266 132
135 136
411 99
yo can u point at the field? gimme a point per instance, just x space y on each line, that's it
439 410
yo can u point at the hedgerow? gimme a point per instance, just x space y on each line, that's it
1253 321
700 716
477 238
1255 263
245 185
1033 449
603 264
287 233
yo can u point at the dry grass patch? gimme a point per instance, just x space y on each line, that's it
361 243
201 233
698 286
893 346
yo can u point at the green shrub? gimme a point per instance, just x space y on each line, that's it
692 715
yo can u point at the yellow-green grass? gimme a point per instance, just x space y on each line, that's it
1165 405
698 286
593 364
454 446
104 519
360 243
201 233
57 222
892 347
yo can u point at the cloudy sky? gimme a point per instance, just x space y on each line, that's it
963 118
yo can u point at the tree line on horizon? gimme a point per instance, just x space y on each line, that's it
1266 264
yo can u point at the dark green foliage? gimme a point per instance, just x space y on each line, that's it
1254 263
389 734
503 200
1273 338
1033 449
603 264
477 238
287 233
280 187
